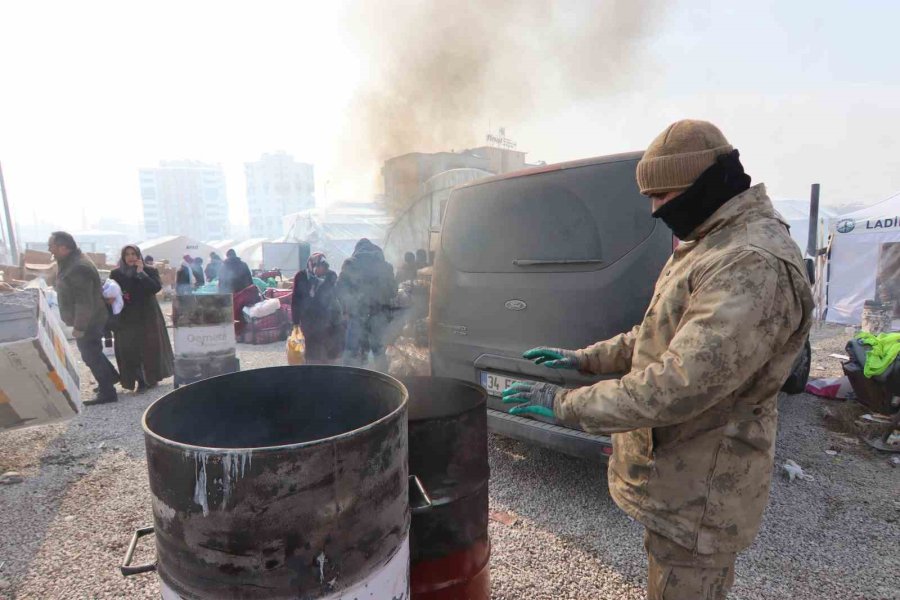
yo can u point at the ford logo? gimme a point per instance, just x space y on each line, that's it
846 226
516 305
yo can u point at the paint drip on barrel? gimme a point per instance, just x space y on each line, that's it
235 464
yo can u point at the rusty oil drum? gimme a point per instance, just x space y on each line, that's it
280 483
449 544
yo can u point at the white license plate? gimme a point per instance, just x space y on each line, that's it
494 383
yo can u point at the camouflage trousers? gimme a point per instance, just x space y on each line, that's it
679 574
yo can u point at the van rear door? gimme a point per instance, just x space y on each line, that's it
563 258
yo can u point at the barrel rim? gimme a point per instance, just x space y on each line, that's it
483 396
272 449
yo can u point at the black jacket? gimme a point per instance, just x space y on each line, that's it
183 276
366 285
81 303
212 269
320 314
198 275
143 348
234 276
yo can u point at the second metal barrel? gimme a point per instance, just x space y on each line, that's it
449 545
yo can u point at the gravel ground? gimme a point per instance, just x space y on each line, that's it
63 531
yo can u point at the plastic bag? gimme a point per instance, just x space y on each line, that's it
296 347
262 309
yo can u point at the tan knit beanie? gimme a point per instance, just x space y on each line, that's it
677 157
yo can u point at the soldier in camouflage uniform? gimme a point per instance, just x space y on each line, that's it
694 417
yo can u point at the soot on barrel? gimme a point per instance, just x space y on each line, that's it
270 407
450 549
281 483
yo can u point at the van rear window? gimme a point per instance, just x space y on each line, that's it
582 218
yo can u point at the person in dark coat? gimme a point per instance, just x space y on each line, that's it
421 258
366 288
234 274
213 266
409 271
143 350
82 307
197 268
316 309
185 279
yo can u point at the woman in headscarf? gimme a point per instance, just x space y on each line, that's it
316 309
143 350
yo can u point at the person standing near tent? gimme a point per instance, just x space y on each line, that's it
315 308
694 418
234 274
143 350
197 268
212 267
409 270
366 287
421 258
185 279
82 307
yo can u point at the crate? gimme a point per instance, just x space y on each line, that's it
283 295
869 392
267 330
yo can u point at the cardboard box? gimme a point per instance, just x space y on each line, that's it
39 381
98 258
36 257
47 272
166 275
11 273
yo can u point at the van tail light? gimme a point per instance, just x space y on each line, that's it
607 450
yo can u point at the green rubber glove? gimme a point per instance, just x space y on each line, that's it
531 398
554 358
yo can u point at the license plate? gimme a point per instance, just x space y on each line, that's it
494 383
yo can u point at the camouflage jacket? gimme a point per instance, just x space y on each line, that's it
694 418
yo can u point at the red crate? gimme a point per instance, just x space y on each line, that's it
263 336
283 295
276 319
268 329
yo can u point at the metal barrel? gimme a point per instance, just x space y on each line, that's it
286 482
450 549
204 337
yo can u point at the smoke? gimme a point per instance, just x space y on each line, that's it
437 71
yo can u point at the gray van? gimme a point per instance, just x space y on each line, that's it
563 255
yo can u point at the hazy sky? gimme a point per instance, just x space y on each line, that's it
91 91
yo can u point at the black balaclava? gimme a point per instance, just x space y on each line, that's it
715 186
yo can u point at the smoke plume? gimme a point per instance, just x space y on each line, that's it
437 71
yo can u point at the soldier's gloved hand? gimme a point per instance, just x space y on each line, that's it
554 358
534 398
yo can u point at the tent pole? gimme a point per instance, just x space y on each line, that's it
811 243
13 246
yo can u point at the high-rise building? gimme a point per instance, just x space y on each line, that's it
184 198
277 186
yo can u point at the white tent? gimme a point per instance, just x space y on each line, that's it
221 246
864 262
173 247
419 225
796 213
250 251
336 229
